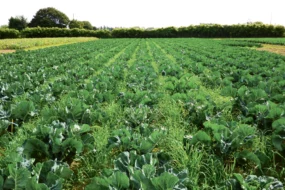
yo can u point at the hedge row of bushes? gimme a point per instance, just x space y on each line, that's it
204 31
53 32
63 32
9 33
209 31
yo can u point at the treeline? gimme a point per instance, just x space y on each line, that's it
204 31
200 31
52 32
63 32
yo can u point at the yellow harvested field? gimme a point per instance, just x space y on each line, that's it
9 45
272 48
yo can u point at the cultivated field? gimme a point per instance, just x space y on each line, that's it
143 114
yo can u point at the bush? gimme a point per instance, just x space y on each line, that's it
102 33
43 32
18 23
200 31
204 31
9 33
63 32
127 33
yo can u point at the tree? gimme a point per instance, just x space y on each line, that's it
87 25
49 17
75 24
18 22
80 24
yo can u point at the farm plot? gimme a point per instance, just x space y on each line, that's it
11 45
143 114
275 41
274 45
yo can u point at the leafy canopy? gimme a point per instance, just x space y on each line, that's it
49 17
18 22
80 24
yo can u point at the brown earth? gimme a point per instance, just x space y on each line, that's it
272 48
7 51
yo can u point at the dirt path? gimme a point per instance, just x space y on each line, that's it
272 48
7 51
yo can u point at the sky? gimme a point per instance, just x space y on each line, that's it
152 13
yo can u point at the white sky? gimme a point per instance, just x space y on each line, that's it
153 13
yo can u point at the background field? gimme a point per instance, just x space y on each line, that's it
143 113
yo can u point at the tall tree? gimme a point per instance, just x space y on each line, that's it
49 17
87 25
18 22
80 24
75 24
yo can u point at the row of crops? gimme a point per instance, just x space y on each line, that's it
143 114
275 41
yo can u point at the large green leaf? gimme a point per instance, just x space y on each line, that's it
240 180
84 128
242 136
123 162
120 137
146 146
279 124
165 181
119 180
32 184
73 109
88 141
219 131
229 91
250 156
57 136
278 141
243 92
181 174
18 178
258 94
200 136
42 170
98 184
278 136
145 159
64 172
149 143
35 148
141 179
72 144
275 113
37 169
54 182
148 171
22 110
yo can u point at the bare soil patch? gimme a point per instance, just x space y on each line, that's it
272 48
7 51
